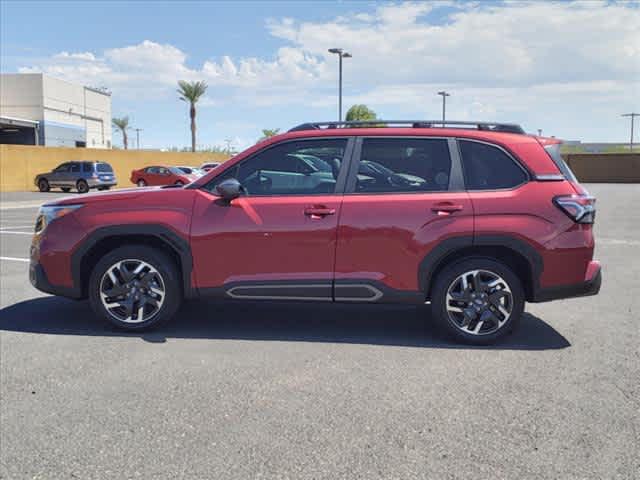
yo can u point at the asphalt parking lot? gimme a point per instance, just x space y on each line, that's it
321 391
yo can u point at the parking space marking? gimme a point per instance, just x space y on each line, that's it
11 227
616 241
20 205
15 259
15 233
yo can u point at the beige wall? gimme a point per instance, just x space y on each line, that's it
19 164
605 167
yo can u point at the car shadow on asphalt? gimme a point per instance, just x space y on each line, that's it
390 325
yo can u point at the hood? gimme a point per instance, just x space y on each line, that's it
124 194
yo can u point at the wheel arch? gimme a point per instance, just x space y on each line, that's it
514 252
105 239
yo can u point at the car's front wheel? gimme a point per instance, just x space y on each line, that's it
135 288
141 183
477 300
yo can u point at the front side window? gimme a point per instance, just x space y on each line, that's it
62 168
487 167
75 168
402 165
293 168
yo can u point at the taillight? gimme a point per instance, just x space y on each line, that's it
580 208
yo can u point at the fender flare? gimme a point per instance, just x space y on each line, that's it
433 259
174 241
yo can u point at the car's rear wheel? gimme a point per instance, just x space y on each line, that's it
43 185
135 288
477 300
65 189
141 183
82 186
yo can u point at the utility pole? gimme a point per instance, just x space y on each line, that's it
341 54
444 104
138 130
632 115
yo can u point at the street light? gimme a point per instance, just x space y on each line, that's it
632 115
444 103
138 130
341 54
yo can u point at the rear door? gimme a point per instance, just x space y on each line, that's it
404 198
74 174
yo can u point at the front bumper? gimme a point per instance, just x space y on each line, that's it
39 280
590 286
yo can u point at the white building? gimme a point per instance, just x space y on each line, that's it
36 109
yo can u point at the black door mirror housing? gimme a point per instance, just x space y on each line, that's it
229 189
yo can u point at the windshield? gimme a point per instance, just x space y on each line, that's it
187 170
103 167
176 171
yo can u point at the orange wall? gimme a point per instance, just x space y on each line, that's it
19 164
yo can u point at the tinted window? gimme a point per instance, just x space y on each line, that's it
153 170
87 167
403 165
292 168
104 167
63 168
489 168
554 153
75 168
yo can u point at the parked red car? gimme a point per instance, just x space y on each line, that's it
474 219
158 176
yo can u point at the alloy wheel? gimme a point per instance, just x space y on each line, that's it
479 302
132 291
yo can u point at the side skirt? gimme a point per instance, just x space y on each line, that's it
351 291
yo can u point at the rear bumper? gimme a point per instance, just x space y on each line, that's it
96 182
590 286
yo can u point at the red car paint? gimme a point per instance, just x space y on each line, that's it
160 175
390 239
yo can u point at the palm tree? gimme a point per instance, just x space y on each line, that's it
268 133
191 92
122 123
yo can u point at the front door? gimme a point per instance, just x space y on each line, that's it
406 199
279 240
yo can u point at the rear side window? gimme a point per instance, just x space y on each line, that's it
104 167
487 167
554 153
87 167
403 165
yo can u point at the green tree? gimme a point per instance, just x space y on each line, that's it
191 92
122 124
360 113
269 132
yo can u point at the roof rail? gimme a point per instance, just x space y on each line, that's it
488 126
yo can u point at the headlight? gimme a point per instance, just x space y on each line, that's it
48 214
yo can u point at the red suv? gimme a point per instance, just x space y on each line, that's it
473 218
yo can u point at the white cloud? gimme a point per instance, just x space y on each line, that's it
499 59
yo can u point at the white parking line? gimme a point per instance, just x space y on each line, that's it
617 241
15 233
11 227
15 259
19 205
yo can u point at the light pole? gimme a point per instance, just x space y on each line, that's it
138 130
632 115
341 54
444 103
539 132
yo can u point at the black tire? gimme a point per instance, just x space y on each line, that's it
43 185
65 189
457 325
141 183
82 186
163 265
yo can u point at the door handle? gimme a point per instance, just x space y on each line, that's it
319 212
446 208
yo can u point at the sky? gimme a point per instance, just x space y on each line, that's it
568 68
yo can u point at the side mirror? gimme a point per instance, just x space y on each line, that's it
229 189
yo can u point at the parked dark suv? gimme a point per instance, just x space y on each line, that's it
82 176
473 218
